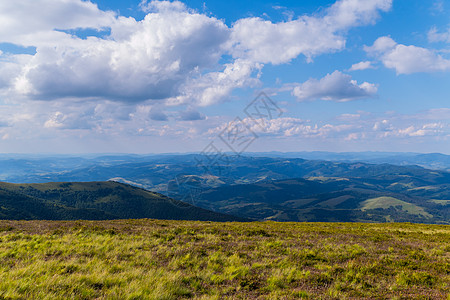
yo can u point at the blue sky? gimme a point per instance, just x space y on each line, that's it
169 76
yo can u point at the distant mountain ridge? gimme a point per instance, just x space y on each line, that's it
436 161
153 172
46 168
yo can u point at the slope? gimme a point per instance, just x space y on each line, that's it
94 201
321 199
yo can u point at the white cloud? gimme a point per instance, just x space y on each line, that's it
262 41
160 6
11 68
55 121
353 137
75 119
34 23
348 13
381 45
291 127
431 123
280 126
354 127
265 42
430 129
172 54
214 87
107 84
407 59
364 128
364 65
151 63
336 87
435 36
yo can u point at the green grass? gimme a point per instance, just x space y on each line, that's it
386 202
154 259
441 202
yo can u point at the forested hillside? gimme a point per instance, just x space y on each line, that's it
94 201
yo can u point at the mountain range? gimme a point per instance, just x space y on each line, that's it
265 186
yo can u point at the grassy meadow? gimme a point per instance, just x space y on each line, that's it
154 259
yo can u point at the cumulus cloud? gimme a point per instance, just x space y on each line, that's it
36 23
214 87
263 41
73 118
347 13
407 59
336 87
11 68
266 42
55 121
119 81
174 53
364 65
150 63
94 116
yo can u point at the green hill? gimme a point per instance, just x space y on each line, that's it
323 199
94 201
388 202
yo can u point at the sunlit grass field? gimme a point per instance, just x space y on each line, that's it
153 259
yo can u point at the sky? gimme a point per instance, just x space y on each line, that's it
185 76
